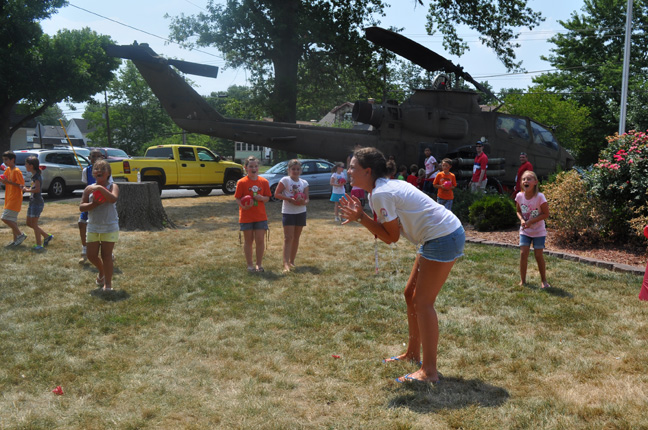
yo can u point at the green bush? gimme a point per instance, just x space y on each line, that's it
461 204
493 212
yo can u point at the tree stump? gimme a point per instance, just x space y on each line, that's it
139 207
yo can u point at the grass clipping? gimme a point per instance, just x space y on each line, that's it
196 342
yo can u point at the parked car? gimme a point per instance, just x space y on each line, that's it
316 172
60 168
113 154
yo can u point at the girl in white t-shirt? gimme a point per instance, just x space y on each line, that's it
405 210
294 192
532 210
338 180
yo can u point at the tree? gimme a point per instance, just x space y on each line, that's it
51 116
494 21
568 119
272 38
39 70
589 59
136 115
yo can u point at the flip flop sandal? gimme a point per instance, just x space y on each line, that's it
100 281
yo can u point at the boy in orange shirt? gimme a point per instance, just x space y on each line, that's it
445 182
252 192
14 183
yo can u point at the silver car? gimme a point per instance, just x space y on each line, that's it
60 168
316 172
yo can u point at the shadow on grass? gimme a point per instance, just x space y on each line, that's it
451 393
110 295
554 291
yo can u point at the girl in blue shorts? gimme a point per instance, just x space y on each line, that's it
36 203
338 180
532 210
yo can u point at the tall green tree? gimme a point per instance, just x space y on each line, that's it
272 37
589 59
496 22
135 115
38 70
568 120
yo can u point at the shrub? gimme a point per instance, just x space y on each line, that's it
462 201
620 178
574 214
493 212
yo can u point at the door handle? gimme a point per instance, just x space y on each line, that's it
184 165
202 165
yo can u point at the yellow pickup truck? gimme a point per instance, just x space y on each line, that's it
180 166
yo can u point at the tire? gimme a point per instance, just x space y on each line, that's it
57 188
202 192
272 192
229 186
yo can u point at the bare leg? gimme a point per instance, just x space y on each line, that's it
82 232
295 245
248 239
432 276
38 232
289 236
93 257
106 257
539 256
524 258
414 342
259 238
14 228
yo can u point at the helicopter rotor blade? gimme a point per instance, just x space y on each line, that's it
142 52
419 54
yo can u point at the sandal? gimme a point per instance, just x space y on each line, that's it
100 281
260 269
545 285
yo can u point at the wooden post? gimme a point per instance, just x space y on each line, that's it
140 208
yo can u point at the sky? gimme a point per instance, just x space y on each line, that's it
126 21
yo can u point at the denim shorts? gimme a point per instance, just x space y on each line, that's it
298 220
336 197
538 242
257 225
35 209
83 217
446 248
445 203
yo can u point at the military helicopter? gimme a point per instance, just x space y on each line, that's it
448 121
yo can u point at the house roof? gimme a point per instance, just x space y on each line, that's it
82 125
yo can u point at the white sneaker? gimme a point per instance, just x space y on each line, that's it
20 239
337 218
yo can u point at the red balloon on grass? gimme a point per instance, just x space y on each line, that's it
646 231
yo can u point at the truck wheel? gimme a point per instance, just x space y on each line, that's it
202 192
229 186
57 188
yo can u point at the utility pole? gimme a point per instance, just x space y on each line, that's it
107 120
626 69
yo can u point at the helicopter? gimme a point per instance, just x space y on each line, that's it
446 120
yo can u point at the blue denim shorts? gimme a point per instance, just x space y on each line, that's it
35 209
298 220
538 242
258 225
446 248
445 203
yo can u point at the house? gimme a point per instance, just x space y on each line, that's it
338 114
47 136
78 127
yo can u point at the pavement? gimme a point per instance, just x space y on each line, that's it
615 267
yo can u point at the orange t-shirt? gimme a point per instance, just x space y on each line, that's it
247 187
13 193
441 177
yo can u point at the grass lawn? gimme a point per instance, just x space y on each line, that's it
192 341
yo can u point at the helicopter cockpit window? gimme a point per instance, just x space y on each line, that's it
512 126
542 136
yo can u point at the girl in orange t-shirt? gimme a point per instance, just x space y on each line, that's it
445 182
252 192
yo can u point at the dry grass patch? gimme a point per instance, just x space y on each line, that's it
194 341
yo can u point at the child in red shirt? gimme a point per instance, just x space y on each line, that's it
445 182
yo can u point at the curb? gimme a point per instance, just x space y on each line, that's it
615 267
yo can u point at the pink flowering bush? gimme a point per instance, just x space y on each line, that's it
620 180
